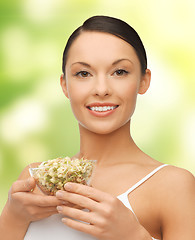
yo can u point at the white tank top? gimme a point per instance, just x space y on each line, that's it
52 227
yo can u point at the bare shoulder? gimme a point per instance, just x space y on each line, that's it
177 198
180 179
25 173
176 184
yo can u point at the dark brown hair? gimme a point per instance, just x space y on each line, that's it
113 26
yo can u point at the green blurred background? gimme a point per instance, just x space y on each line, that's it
36 122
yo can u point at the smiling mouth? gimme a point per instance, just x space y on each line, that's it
102 108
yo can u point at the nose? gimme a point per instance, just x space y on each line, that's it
102 87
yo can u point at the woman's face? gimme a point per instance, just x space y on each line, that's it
102 80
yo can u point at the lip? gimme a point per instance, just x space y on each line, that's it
104 113
101 104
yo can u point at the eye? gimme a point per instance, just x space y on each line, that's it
120 72
83 74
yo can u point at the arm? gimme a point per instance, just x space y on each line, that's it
178 205
108 218
24 206
11 225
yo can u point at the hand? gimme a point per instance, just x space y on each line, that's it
26 206
107 218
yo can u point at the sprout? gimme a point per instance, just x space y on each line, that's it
51 175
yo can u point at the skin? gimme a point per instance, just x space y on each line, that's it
162 213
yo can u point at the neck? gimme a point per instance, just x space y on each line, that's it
107 149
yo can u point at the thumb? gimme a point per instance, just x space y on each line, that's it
26 185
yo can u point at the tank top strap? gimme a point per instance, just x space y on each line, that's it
144 179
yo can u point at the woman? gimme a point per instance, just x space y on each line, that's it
132 195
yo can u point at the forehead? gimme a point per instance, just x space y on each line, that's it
97 46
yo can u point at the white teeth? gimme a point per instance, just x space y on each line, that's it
102 109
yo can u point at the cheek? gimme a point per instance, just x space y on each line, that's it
74 92
75 101
129 92
77 96
129 97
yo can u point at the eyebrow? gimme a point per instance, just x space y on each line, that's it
122 59
114 63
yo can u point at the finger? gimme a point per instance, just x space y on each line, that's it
76 214
48 201
23 185
43 210
37 200
68 204
44 215
72 205
78 200
37 213
80 226
86 191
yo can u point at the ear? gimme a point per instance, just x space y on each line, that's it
145 82
63 85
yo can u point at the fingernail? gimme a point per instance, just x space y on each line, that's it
59 194
68 186
64 220
28 183
64 202
59 208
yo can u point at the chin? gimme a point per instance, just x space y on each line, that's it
102 132
102 129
